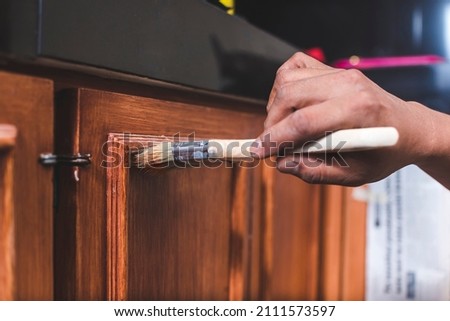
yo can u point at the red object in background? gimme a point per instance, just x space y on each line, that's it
383 62
316 53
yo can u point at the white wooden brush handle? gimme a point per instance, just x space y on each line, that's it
344 140
355 139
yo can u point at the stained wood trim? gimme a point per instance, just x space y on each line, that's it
7 248
255 220
343 245
267 227
245 245
239 245
117 227
67 136
354 248
330 280
313 254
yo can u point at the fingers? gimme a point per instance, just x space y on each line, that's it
302 64
287 76
312 122
307 92
319 170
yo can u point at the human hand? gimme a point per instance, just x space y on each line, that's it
309 99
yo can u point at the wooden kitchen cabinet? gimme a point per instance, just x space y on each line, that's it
112 231
98 231
26 189
195 233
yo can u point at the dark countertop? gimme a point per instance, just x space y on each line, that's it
187 42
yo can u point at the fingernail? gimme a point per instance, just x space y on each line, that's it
256 143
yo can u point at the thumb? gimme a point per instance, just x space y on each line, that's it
315 170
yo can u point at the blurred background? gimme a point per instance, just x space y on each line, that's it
350 27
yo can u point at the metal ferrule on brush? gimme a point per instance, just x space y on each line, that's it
186 151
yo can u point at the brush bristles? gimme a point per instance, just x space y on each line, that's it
158 154
167 154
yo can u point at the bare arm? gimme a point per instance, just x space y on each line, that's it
309 99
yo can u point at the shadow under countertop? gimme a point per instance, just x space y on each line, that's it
188 42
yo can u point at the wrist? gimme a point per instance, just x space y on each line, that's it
433 148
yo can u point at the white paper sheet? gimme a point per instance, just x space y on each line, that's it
408 238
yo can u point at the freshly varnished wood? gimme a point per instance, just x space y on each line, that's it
7 248
225 244
342 273
196 233
66 265
27 103
244 247
117 224
291 238
179 244
354 248
157 229
330 281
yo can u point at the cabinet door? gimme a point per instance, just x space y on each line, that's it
343 255
27 103
192 234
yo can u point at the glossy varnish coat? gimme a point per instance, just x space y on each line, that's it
195 233
27 103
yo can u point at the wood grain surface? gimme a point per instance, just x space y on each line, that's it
198 233
27 103
206 222
292 216
7 249
343 244
354 248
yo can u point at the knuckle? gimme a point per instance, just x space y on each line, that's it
355 76
282 77
283 93
300 123
299 55
366 102
299 58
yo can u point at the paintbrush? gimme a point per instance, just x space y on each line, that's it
169 153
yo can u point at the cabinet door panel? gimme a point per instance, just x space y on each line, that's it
178 242
163 235
343 243
198 233
27 103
